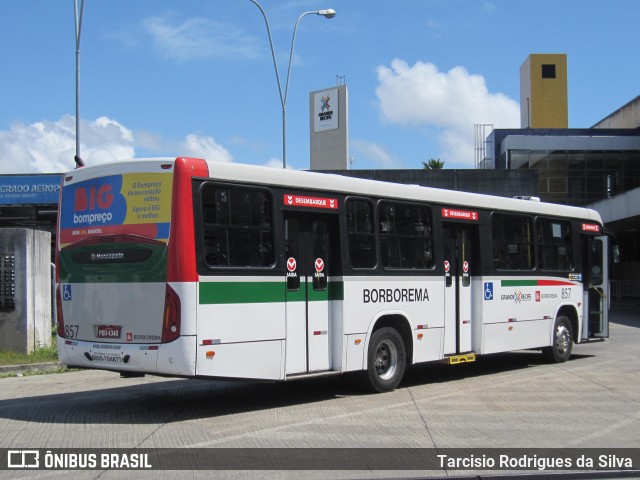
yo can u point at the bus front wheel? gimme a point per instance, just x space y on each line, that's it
560 349
386 360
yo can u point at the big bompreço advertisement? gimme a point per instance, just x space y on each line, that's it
130 203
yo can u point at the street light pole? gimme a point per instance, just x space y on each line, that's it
78 24
327 13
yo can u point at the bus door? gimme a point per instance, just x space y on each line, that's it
307 255
596 287
460 263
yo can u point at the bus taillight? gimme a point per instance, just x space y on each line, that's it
59 316
171 320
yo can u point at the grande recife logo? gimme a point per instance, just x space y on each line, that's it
138 204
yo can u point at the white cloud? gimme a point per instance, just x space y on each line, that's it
451 102
373 152
151 142
204 147
198 38
49 147
277 163
193 145
274 163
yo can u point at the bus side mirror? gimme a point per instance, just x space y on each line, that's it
616 253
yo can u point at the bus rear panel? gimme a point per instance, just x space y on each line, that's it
116 309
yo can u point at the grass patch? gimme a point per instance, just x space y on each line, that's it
40 355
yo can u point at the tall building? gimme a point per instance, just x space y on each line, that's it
543 91
329 128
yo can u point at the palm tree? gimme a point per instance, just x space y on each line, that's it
433 164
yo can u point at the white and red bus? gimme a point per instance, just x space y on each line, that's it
201 269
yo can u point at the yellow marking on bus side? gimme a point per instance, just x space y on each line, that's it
466 358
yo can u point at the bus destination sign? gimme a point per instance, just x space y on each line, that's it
456 214
310 202
591 227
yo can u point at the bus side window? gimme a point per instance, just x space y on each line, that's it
360 234
512 241
216 249
555 250
405 236
222 207
237 226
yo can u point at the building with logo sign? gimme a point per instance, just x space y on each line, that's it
30 201
328 128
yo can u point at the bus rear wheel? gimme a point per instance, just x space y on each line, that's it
386 360
560 349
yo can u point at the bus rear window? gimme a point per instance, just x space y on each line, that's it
237 226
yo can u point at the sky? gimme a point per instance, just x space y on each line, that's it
167 78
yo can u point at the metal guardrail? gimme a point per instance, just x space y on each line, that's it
621 289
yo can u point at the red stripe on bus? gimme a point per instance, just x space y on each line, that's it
555 283
182 253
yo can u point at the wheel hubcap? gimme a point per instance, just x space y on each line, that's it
386 360
562 339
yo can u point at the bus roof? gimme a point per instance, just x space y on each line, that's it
299 179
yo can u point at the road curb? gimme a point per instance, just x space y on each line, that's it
30 367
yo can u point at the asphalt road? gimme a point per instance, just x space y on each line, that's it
513 400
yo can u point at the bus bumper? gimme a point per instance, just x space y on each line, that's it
174 358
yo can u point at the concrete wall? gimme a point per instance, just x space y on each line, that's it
627 116
622 206
25 276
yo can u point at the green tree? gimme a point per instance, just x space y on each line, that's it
433 164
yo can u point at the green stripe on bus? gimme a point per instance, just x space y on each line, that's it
212 293
536 283
519 283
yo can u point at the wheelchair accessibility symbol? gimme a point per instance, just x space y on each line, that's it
488 290
66 292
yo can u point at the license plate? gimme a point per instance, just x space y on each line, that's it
109 331
101 358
